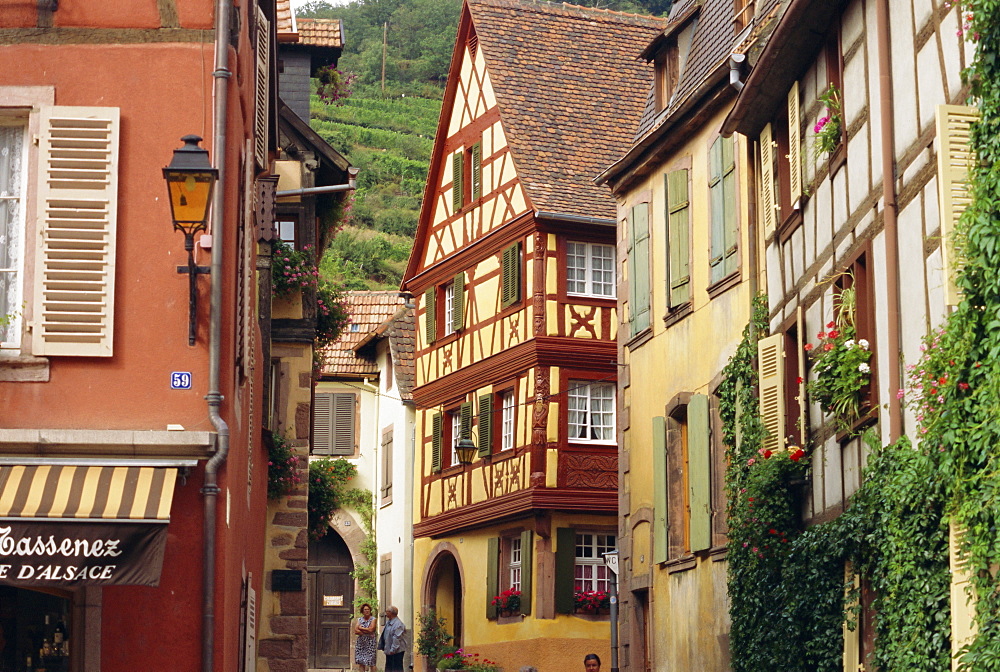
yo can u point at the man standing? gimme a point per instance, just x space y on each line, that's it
393 640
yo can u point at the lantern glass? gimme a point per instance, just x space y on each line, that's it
190 194
465 450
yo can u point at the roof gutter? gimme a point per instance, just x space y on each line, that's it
210 489
546 215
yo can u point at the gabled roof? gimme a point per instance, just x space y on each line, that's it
285 17
570 93
374 315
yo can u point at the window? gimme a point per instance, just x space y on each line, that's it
507 420
724 259
591 411
13 185
514 564
590 573
590 269
512 261
386 480
446 431
385 579
449 308
743 14
667 71
452 307
287 226
467 176
781 169
678 287
455 420
638 268
334 418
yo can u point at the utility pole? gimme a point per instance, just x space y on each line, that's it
385 35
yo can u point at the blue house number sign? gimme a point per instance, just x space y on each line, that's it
180 380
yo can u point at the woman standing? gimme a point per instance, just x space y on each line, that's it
364 647
591 663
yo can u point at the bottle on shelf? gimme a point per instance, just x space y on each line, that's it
59 638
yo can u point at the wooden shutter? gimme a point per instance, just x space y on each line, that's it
344 409
767 204
485 425
430 322
385 581
699 473
74 285
679 241
492 575
771 360
322 422
639 298
477 171
250 618
510 292
387 438
954 162
527 541
465 413
458 302
659 489
717 203
794 145
458 172
730 224
436 440
262 98
963 604
565 569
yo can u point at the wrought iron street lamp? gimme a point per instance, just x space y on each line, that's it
190 181
466 450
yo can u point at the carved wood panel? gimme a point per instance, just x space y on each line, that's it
584 470
504 476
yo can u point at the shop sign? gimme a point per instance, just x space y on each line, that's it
64 555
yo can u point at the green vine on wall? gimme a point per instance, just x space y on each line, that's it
362 502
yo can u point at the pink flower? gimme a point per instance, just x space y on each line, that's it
963 386
807 347
900 393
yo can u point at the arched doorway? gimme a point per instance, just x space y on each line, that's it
443 593
331 602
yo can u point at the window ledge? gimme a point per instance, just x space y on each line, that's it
640 338
724 285
675 315
790 224
838 158
505 620
18 368
681 564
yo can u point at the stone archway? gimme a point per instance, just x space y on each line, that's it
443 588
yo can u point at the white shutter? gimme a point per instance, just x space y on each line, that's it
322 422
963 605
767 182
262 98
771 360
794 145
954 161
250 651
73 293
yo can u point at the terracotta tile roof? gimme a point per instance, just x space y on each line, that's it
402 334
570 93
320 32
374 314
285 22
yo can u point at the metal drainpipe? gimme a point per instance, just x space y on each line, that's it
889 216
210 490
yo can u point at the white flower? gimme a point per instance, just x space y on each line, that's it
863 343
864 368
849 343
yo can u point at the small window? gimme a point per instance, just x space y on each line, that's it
12 204
590 572
455 427
514 564
286 230
449 308
507 420
334 416
511 264
743 14
667 71
590 269
591 411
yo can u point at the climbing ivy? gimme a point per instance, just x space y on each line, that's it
361 501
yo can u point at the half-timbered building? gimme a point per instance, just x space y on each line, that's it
514 273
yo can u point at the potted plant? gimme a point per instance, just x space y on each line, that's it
508 602
828 128
591 601
432 641
458 659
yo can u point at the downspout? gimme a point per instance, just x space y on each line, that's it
890 212
210 490
735 66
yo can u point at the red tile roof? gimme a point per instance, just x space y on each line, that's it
320 32
284 16
570 93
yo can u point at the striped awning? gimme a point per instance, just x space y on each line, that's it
124 493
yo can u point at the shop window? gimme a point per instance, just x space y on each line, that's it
36 631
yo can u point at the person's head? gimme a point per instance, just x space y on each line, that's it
391 612
592 663
366 610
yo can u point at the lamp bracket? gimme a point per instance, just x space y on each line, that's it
197 269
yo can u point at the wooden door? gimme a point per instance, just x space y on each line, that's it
331 603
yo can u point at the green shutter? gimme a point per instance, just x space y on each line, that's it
465 411
477 171
717 203
729 197
659 489
430 323
458 302
458 173
699 473
527 539
485 425
436 442
510 292
638 258
565 568
492 575
678 225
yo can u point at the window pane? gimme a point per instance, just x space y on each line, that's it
577 406
576 268
11 229
603 270
507 434
449 308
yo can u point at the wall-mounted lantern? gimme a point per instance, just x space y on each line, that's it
465 449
